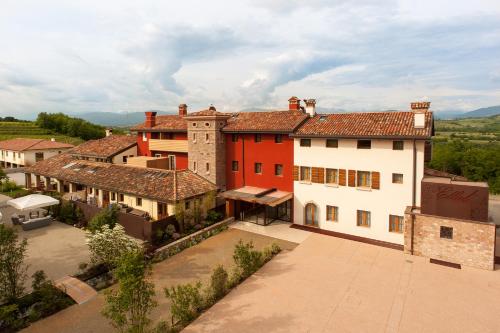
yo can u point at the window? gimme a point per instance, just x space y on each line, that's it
138 202
278 169
96 191
398 145
187 204
207 124
332 176
258 167
194 137
364 144
332 143
194 166
332 213
90 190
113 196
305 142
397 178
364 179
234 137
207 137
234 166
258 137
38 157
396 223
446 232
155 135
363 218
144 136
278 138
124 159
157 155
305 174
19 155
207 167
194 124
121 197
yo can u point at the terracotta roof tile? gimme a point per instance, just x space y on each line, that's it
265 121
367 124
165 123
106 147
150 183
22 144
208 113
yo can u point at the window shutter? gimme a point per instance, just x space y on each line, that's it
342 177
352 178
318 175
375 180
295 172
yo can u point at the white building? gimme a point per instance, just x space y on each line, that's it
356 173
25 152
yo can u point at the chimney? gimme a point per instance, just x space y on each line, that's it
212 108
419 110
310 107
150 119
183 110
294 103
109 131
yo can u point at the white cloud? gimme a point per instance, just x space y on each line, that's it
354 55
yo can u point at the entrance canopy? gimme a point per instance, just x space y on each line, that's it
269 197
32 201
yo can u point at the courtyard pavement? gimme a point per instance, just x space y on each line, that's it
191 265
329 284
277 229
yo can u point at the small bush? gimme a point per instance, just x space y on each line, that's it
187 302
170 230
213 216
270 252
67 213
107 216
218 284
247 259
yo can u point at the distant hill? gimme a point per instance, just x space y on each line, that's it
114 118
482 112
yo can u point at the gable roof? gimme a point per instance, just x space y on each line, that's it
156 184
265 121
170 122
366 125
22 144
106 147
211 112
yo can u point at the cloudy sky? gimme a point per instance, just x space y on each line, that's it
124 56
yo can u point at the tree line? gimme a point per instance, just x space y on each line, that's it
477 162
75 127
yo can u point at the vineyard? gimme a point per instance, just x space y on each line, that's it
11 130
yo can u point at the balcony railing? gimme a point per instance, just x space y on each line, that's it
179 146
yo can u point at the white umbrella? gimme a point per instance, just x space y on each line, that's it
32 201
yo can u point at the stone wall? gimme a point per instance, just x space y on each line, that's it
472 243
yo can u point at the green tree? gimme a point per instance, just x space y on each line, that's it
129 305
107 216
247 259
12 267
218 284
187 302
3 175
180 215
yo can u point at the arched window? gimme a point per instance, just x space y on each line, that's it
311 215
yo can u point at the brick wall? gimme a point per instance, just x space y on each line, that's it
472 243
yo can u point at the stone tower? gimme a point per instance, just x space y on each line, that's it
206 145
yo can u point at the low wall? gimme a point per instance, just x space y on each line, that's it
472 243
185 242
135 226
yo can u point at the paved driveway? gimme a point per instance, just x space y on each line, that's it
57 249
193 264
329 284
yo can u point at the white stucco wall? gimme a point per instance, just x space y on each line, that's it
27 158
390 199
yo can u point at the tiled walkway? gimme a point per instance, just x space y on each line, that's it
280 230
329 284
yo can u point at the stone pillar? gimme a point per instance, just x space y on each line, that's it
27 180
229 208
38 181
48 185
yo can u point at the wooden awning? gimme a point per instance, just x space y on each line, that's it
269 197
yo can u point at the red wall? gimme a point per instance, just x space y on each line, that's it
266 152
181 159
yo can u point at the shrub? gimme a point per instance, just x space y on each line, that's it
107 216
9 185
187 302
12 267
270 252
170 230
67 213
218 284
247 259
213 216
10 317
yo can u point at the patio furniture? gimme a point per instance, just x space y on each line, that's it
36 223
33 201
17 219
